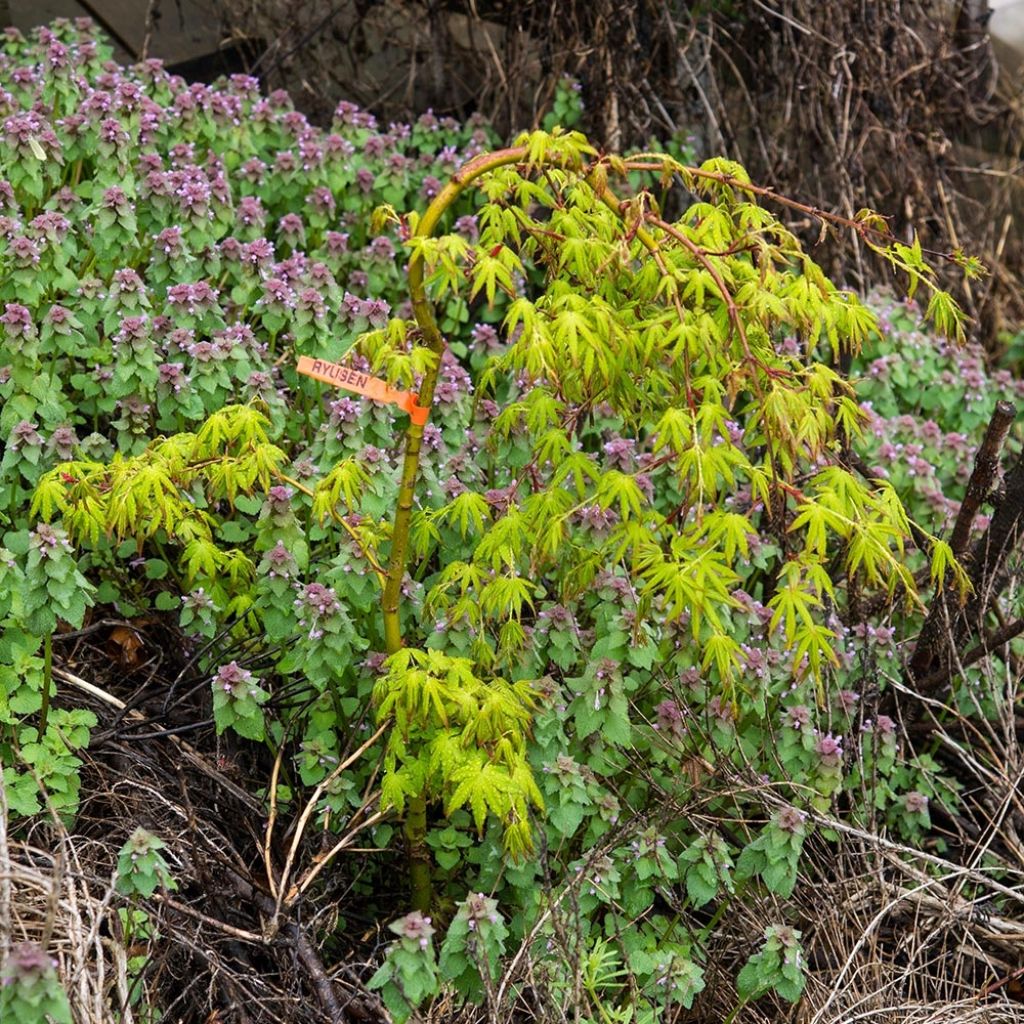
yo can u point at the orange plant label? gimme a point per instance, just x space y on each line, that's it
363 384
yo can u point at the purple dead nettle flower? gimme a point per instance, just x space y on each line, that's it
754 661
180 340
49 541
250 212
311 154
28 963
315 603
62 443
292 271
292 230
345 112
915 802
359 279
848 701
194 199
886 727
115 198
797 717
830 749
135 410
246 87
310 301
453 487
336 242
240 683
381 248
620 452
430 187
239 335
377 312
294 123
321 199
337 149
23 129
126 282
231 250
285 162
398 163
258 253
198 600
414 927
722 710
756 613
669 719
133 334
277 295
351 307
262 114
365 180
51 226
226 109
375 145
448 158
321 278
468 227
25 251
17 322
128 97
260 384
595 517
789 819
157 185
343 411
206 352
24 434
279 501
433 438
428 121
172 377
112 136
253 171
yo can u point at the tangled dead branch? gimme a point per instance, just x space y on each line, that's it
900 107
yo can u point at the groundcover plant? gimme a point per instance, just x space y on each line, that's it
567 615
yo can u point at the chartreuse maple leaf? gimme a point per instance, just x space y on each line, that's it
464 737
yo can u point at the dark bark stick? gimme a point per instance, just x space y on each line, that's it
948 625
986 465
303 947
1009 632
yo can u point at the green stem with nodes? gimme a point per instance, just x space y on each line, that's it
425 320
415 827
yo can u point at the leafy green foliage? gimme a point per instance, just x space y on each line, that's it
473 946
776 966
30 990
409 972
141 869
459 739
637 544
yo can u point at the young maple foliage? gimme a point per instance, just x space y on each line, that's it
625 564
708 340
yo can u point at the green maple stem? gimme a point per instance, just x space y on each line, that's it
424 313
415 825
